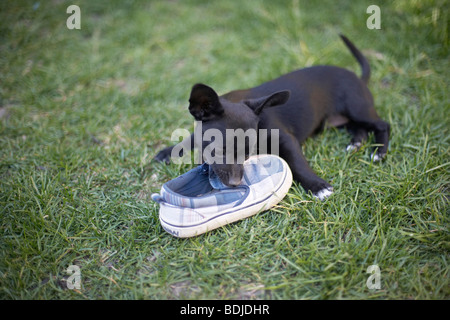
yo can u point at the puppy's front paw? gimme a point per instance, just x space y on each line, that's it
163 155
324 193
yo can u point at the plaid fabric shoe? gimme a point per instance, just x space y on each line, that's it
197 201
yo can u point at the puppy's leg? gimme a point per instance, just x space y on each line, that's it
382 131
359 136
363 118
380 128
165 154
291 151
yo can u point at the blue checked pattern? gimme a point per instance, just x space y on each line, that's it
256 172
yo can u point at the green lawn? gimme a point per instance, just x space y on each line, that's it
82 113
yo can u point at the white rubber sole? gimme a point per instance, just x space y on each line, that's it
241 212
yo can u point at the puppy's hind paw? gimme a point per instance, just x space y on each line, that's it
353 147
376 157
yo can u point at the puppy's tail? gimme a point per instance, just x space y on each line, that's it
361 59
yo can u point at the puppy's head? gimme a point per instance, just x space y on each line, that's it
228 131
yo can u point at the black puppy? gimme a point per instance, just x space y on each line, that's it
309 99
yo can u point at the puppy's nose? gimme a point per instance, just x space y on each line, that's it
234 181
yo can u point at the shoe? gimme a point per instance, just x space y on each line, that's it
197 202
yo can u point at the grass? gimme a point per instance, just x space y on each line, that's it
84 111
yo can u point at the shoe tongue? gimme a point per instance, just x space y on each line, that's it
214 180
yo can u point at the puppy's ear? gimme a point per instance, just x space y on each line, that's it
275 99
204 103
